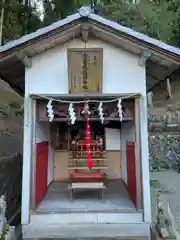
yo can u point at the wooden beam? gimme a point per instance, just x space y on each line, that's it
27 61
109 119
85 32
86 167
144 57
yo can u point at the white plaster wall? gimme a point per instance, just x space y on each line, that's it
121 70
127 134
112 139
121 74
43 134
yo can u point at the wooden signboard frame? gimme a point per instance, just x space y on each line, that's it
85 70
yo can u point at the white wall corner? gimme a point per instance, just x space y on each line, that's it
145 159
27 154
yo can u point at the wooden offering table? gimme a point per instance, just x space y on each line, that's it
86 185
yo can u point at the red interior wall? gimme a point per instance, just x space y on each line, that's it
41 170
131 170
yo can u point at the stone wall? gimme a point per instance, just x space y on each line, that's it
11 135
164 128
10 183
6 232
164 150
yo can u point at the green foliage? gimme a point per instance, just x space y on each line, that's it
155 184
8 108
4 109
5 232
146 16
17 108
19 18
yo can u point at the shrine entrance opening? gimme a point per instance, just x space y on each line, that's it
111 184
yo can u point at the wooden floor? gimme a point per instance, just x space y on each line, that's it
57 200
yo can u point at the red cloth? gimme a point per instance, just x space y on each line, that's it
90 162
89 177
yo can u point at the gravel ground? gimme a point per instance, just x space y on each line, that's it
170 187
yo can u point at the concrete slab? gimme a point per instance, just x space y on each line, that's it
57 200
88 231
85 218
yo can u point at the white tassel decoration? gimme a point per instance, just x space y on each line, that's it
169 88
50 111
72 113
119 105
100 109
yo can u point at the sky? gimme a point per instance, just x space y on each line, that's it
39 5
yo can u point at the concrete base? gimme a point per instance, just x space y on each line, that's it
11 234
85 218
136 231
58 200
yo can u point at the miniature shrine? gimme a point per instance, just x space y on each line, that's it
85 81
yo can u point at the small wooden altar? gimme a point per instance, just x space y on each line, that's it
77 162
78 148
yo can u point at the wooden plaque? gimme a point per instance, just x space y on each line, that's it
85 70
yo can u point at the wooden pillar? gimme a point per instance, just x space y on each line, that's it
27 155
137 153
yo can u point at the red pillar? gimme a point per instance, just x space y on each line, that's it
41 170
131 171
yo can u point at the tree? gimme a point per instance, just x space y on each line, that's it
174 7
19 19
58 9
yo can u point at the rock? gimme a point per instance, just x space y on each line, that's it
165 222
164 150
6 232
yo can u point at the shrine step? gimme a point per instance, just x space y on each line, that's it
139 231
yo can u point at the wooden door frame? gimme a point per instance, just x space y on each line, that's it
33 163
138 152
